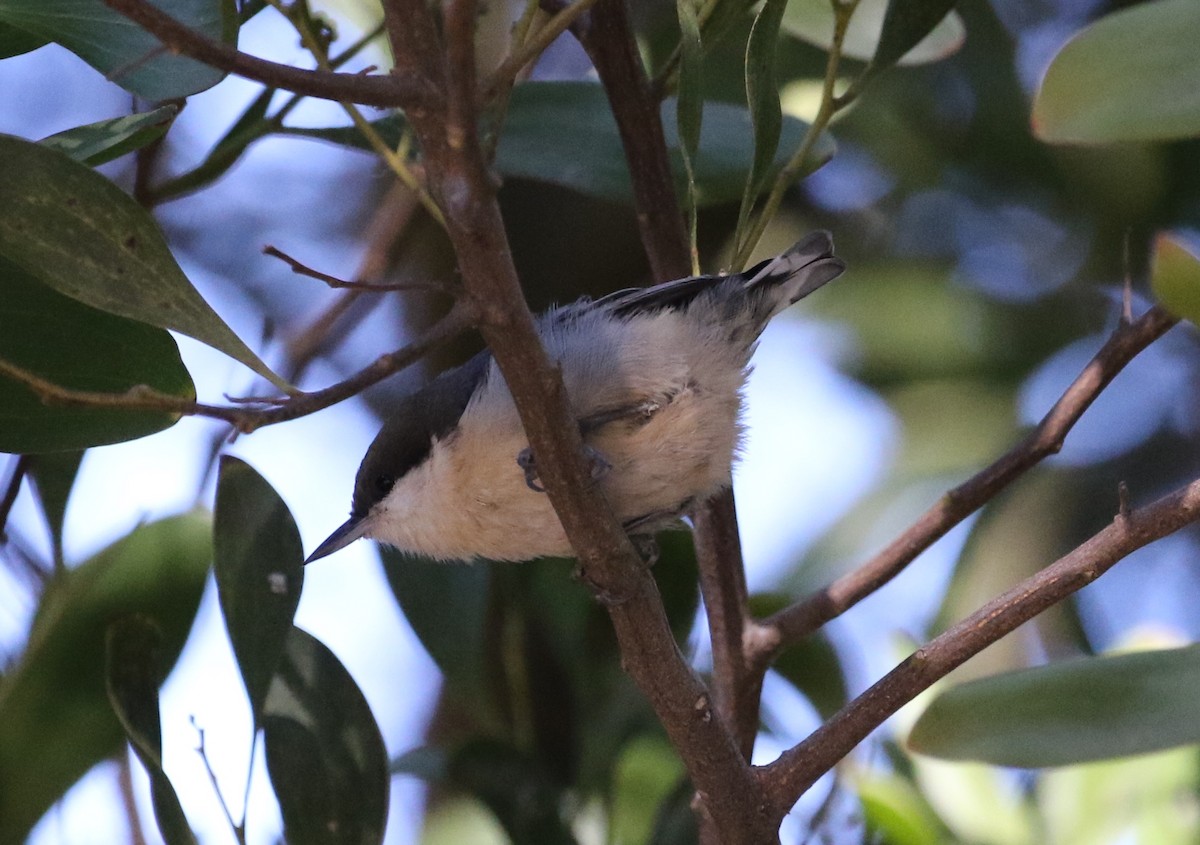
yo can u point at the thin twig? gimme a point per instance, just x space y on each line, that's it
803 618
394 90
239 832
528 51
20 467
246 420
798 768
302 269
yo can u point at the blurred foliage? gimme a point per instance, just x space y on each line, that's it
985 260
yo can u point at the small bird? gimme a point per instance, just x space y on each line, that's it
654 376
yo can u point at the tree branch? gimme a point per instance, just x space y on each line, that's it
397 90
806 616
799 767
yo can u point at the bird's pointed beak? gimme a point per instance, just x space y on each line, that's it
350 530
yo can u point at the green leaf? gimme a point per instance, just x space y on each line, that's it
644 778
1175 276
447 609
259 565
905 25
564 133
895 811
1070 712
14 41
55 718
325 754
425 762
80 234
1130 76
53 475
132 680
106 140
524 798
870 28
123 51
689 111
78 347
762 96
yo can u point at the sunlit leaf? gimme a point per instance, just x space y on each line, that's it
132 679
78 233
895 811
1175 276
325 754
812 21
259 564
106 353
55 718
123 51
106 140
1069 712
1130 76
564 133
644 778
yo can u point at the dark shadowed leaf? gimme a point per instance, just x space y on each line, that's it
123 51
14 41
132 679
1069 712
259 564
812 21
1175 276
1130 76
905 25
55 718
106 140
53 475
426 762
96 245
106 353
524 798
811 666
446 605
675 823
564 133
325 754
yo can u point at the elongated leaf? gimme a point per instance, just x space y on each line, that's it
1070 712
123 51
447 608
689 110
812 21
78 233
106 140
905 25
1175 276
762 96
325 754
1130 76
132 680
54 475
75 346
55 718
259 563
564 133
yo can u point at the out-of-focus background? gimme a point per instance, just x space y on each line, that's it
985 269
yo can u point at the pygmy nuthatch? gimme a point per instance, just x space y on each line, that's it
654 376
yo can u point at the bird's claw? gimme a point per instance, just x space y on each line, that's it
598 467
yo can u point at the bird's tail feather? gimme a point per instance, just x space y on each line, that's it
795 274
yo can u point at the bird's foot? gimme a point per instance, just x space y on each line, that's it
598 467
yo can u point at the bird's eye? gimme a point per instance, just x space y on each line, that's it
384 483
